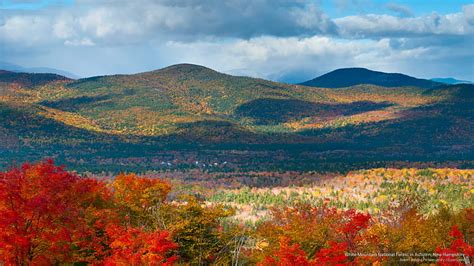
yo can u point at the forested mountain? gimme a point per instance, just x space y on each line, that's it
176 116
346 77
28 80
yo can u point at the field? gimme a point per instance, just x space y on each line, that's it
375 191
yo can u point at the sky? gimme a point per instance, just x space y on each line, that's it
282 40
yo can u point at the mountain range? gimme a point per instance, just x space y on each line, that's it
184 114
16 68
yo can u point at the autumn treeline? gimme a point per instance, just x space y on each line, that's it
51 216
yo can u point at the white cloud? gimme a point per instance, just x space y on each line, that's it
63 27
311 17
124 22
146 20
277 56
25 30
265 38
82 42
468 13
376 26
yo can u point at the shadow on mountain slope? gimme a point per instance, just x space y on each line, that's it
441 132
275 111
76 104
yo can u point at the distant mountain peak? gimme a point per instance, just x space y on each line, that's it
451 81
39 70
30 79
186 68
346 77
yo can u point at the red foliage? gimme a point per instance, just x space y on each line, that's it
287 255
458 246
334 255
133 246
43 214
323 233
50 216
356 222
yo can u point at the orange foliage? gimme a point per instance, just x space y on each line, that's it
138 193
50 216
287 255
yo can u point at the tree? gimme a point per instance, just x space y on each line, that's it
197 230
355 222
319 230
287 255
333 255
50 216
134 246
137 195
448 255
46 213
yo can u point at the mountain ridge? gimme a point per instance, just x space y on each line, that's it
30 79
40 70
346 77
187 111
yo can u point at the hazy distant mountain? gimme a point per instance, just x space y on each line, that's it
293 76
17 68
451 81
346 77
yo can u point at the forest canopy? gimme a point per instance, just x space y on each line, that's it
52 216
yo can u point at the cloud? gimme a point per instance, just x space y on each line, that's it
380 26
468 12
25 35
401 10
264 38
113 24
116 22
281 58
353 4
82 42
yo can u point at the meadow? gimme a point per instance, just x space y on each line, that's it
375 191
